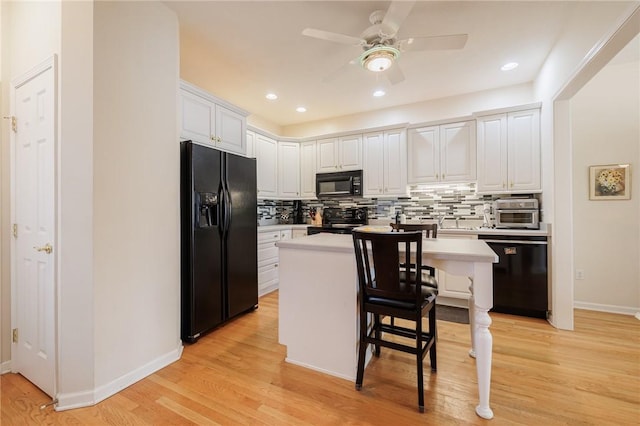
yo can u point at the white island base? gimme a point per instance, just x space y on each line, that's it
318 318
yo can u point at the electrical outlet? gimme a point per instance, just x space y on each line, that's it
579 274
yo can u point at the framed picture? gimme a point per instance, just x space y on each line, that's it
610 182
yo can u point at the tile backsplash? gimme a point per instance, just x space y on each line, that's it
428 202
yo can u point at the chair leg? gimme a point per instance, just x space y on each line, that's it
362 350
377 324
433 331
419 365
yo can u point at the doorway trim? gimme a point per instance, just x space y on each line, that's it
563 271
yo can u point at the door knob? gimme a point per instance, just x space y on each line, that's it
46 248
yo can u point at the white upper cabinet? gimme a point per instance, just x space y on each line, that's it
337 154
509 152
289 170
210 121
385 164
267 166
424 154
251 144
458 152
308 169
444 153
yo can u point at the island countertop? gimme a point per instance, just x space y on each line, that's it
318 301
435 248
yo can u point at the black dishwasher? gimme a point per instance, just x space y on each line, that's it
520 284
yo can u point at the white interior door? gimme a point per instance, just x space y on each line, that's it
33 267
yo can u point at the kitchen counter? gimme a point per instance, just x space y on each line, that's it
319 302
278 227
473 228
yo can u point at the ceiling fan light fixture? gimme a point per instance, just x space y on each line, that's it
379 58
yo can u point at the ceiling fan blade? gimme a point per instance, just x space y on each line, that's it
335 37
340 71
397 13
453 41
395 74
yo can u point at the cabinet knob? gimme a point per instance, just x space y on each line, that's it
275 266
511 184
443 176
503 185
436 175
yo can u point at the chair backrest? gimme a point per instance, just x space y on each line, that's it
378 259
430 229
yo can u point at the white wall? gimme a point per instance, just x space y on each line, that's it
572 49
437 109
74 210
118 186
136 191
30 34
606 130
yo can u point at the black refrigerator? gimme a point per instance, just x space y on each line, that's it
219 260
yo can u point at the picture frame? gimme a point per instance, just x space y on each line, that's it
610 182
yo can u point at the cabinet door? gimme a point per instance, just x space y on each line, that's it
251 144
458 152
308 170
230 131
395 163
289 169
423 157
198 118
298 233
267 166
327 155
524 150
455 286
350 153
373 162
492 153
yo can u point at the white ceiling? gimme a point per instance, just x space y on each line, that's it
261 49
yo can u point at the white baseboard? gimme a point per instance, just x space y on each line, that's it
5 367
613 309
85 399
267 290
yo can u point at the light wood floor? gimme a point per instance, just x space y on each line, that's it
236 375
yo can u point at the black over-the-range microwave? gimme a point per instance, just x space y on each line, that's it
339 184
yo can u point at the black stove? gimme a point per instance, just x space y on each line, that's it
340 221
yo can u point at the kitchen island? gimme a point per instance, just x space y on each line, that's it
318 319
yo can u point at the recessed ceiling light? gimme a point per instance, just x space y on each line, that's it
509 66
271 96
301 109
379 93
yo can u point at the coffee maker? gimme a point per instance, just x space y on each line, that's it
297 213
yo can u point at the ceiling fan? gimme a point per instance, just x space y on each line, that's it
381 47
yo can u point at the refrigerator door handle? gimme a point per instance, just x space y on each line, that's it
228 207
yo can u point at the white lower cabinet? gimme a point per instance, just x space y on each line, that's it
268 277
454 286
